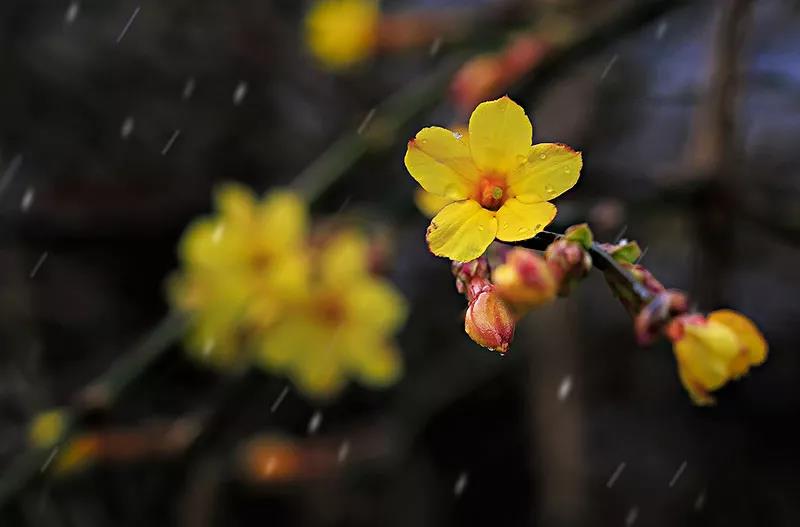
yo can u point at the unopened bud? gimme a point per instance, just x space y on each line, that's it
525 281
489 321
654 317
465 272
569 261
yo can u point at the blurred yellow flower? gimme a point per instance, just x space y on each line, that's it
714 350
47 428
259 288
498 184
345 327
341 33
241 267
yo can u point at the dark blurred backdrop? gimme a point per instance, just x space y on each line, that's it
108 149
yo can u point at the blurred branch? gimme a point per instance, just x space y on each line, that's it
100 393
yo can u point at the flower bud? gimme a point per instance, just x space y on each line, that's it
465 272
713 350
569 262
524 281
489 321
659 312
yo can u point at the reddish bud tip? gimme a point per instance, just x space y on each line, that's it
489 321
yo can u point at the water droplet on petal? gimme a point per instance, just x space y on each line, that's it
567 170
521 159
522 229
505 225
542 156
480 227
538 226
457 135
549 190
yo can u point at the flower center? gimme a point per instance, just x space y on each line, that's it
491 192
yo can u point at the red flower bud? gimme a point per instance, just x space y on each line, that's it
525 280
489 320
569 261
655 316
466 271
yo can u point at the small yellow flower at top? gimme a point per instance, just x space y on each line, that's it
714 350
240 268
498 185
345 327
341 33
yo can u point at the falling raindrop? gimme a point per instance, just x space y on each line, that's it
72 12
565 388
239 93
216 236
127 127
27 199
609 66
38 265
344 451
170 142
677 474
700 502
279 399
188 88
615 475
661 29
314 422
461 484
436 45
128 25
633 514
366 121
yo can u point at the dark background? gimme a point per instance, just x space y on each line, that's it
490 440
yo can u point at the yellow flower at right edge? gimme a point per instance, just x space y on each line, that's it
497 183
714 350
344 328
341 33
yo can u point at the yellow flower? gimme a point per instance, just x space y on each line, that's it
240 268
341 33
343 329
47 429
498 184
711 351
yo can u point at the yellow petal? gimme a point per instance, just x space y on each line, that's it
293 342
441 163
282 220
520 221
320 378
430 204
461 231
342 32
699 396
499 136
748 334
551 169
345 258
376 363
375 305
706 351
235 202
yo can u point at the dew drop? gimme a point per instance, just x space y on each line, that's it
542 156
549 190
457 135
480 227
538 226
522 229
505 225
522 159
567 170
